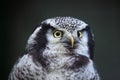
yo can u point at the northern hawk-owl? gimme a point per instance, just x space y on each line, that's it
61 48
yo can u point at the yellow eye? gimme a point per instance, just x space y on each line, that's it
58 34
80 34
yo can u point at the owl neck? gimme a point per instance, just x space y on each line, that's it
73 62
54 58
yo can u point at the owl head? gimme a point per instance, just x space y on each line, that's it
67 35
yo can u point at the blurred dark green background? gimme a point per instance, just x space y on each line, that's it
19 19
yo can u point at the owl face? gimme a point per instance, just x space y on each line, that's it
75 40
63 35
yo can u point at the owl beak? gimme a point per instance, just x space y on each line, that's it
72 41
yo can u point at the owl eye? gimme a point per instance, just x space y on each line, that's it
79 34
57 34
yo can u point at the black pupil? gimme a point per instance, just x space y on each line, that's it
78 33
58 34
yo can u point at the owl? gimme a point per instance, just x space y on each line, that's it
61 48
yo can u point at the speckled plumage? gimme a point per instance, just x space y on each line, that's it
62 22
53 58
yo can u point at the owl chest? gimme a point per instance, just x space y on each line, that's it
65 75
55 76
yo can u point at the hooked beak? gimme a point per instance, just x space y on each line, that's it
72 41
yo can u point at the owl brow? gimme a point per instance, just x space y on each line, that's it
85 29
48 26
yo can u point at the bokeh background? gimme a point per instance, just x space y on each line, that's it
19 19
